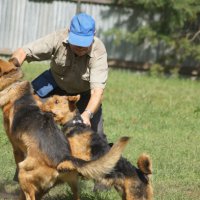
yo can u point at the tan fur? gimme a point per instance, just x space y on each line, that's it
38 100
80 146
9 73
15 90
6 67
62 110
144 164
128 185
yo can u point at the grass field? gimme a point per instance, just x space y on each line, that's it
162 116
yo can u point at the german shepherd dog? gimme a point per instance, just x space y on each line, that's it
133 183
40 148
9 72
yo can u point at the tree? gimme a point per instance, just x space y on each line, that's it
174 25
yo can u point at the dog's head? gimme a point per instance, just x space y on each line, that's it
63 108
9 73
138 186
14 92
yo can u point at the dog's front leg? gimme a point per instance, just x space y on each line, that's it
26 196
26 178
22 195
30 196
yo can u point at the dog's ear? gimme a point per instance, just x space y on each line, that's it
144 164
6 67
74 99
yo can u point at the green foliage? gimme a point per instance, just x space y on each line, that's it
156 69
171 25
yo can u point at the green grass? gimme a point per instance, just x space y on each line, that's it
162 117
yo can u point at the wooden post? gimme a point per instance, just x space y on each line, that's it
78 7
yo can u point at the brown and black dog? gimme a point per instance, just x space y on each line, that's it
40 148
134 183
9 72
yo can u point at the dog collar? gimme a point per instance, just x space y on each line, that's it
77 120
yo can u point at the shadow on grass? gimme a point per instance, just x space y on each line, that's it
96 196
9 190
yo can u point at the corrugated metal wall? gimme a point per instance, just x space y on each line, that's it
22 21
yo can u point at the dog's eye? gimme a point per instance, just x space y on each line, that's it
56 101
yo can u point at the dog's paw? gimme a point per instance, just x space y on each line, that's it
63 170
65 166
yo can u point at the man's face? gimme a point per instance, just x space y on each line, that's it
80 51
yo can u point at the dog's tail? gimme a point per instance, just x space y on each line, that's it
144 164
96 169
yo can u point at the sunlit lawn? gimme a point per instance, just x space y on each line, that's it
161 115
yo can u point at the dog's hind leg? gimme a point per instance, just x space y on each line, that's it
19 157
35 178
73 183
26 178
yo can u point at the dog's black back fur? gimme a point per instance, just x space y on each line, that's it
29 119
99 145
124 168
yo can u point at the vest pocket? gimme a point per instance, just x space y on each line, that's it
86 75
60 66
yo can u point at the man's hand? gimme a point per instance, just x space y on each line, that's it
14 61
19 55
86 118
93 105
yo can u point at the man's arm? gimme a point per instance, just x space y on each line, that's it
20 55
93 104
40 49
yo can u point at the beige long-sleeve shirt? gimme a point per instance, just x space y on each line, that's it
74 74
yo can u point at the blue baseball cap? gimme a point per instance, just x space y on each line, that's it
82 30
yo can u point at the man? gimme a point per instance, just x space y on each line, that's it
78 66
